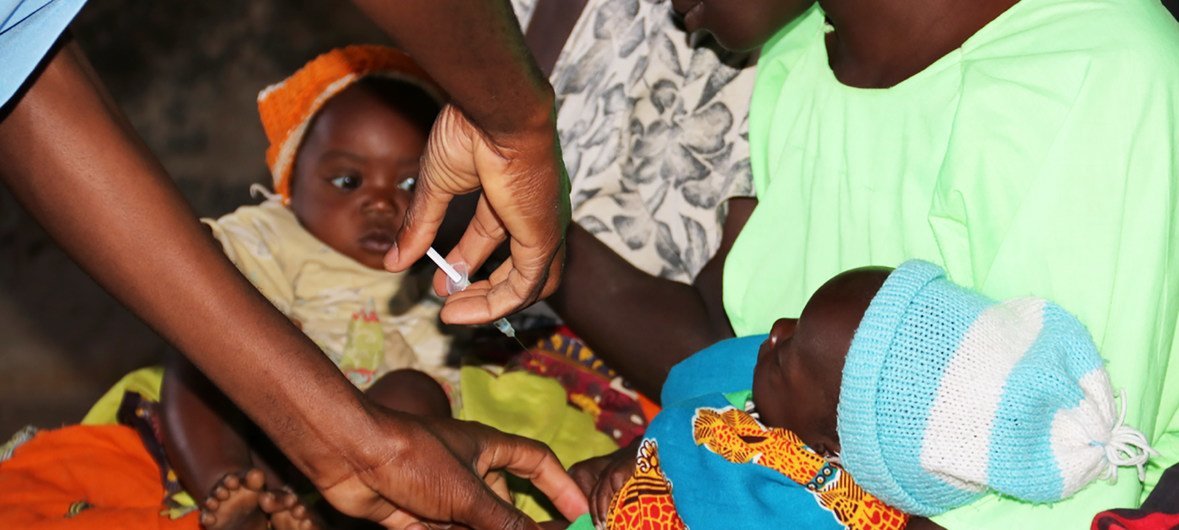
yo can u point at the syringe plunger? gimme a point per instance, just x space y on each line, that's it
457 281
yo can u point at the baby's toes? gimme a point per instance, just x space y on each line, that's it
255 480
274 501
288 513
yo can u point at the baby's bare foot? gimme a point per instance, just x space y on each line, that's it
287 512
233 504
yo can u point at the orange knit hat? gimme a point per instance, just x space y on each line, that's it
287 107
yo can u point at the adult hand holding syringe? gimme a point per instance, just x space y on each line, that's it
514 164
458 281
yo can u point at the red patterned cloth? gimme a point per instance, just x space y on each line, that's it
1159 512
591 386
1132 520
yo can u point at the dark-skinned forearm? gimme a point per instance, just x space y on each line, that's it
639 324
73 161
549 29
476 51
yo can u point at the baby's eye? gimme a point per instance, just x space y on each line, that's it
346 182
407 184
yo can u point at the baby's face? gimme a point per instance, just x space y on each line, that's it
800 366
352 177
790 389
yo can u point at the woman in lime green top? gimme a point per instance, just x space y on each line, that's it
1028 147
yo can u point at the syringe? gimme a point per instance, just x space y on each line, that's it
459 282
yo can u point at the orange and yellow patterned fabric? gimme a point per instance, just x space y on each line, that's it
741 439
645 501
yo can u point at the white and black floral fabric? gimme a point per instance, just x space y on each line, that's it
653 131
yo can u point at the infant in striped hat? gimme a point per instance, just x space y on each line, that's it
931 395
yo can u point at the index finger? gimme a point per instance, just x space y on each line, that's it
426 211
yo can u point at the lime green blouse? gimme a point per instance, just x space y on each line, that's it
1040 158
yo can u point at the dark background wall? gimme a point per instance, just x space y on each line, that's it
186 74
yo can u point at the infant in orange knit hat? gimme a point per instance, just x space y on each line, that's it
346 134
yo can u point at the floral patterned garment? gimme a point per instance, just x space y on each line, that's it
653 131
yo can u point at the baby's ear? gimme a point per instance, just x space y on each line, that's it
782 330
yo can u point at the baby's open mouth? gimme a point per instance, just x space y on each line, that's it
377 241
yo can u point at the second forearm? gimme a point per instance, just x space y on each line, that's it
640 325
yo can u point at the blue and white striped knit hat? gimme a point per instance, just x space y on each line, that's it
948 394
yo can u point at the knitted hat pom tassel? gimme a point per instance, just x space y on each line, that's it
1126 446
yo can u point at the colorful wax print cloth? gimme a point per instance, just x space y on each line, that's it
339 303
28 30
590 385
706 463
1039 159
652 131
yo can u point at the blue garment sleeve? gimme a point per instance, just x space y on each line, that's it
724 367
28 29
